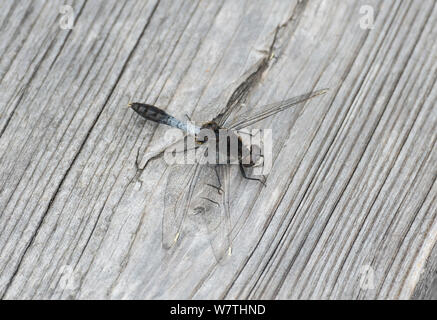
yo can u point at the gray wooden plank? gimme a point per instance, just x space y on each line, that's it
426 288
352 186
49 124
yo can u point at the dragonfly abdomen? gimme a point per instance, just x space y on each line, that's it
155 114
150 112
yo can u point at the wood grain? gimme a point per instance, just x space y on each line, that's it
353 184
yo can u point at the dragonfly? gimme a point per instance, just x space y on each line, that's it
201 191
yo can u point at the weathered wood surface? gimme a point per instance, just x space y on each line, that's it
353 183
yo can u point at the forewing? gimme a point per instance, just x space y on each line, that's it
271 109
226 102
232 98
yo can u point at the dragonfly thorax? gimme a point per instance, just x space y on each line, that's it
235 151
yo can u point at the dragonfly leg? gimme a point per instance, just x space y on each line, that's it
137 163
219 187
153 156
245 176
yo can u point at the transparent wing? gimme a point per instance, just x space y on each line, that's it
181 180
210 202
233 103
274 108
198 193
235 94
227 101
